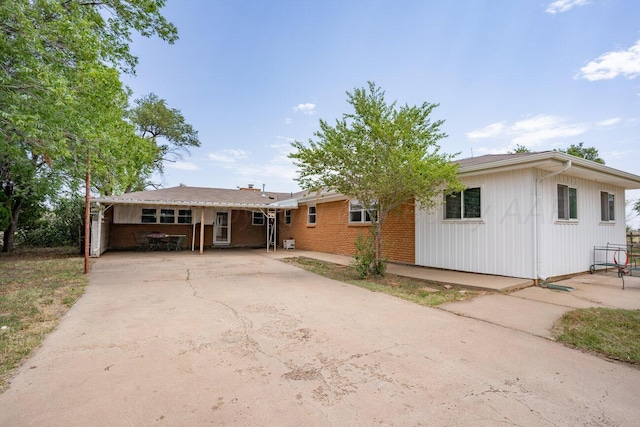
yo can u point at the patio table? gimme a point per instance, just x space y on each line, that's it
157 241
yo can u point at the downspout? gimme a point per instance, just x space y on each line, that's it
536 229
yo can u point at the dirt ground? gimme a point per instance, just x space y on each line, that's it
237 338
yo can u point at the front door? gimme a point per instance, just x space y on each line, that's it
222 229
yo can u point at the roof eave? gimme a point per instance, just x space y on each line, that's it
116 201
553 160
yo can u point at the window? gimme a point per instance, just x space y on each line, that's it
148 215
311 215
184 216
257 218
465 204
607 206
287 217
357 212
167 216
567 202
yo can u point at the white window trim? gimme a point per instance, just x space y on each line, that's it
155 215
608 221
254 216
568 207
363 212
178 216
174 216
462 219
315 215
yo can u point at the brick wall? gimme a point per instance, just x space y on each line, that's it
243 234
121 235
332 232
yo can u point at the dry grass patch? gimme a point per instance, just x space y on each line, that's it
37 287
419 291
614 333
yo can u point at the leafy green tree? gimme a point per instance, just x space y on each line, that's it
519 149
166 128
588 153
60 225
382 155
47 50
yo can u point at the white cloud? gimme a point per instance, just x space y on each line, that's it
609 122
288 120
490 131
533 131
559 6
228 155
308 108
286 139
186 166
612 64
541 128
270 165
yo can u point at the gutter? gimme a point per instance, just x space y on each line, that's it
536 229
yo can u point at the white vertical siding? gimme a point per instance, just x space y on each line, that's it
567 246
503 242
500 243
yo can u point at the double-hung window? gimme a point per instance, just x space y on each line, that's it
567 203
357 213
311 215
607 206
287 216
463 205
167 216
184 216
257 218
148 216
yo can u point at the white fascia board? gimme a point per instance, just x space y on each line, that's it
555 161
285 204
187 203
323 197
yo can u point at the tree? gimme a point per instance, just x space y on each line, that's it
166 128
519 149
588 153
46 47
381 155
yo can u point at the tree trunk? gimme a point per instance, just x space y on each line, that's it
377 242
10 232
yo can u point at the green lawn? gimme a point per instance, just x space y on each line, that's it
614 333
37 287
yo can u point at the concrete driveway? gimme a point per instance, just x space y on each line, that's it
237 338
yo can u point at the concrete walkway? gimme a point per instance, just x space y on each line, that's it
443 277
525 308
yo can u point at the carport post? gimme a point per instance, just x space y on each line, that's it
201 230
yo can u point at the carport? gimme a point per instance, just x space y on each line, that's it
248 214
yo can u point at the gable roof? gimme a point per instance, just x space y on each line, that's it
201 196
551 161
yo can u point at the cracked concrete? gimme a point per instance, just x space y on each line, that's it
247 340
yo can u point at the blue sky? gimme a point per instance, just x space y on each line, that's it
252 76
